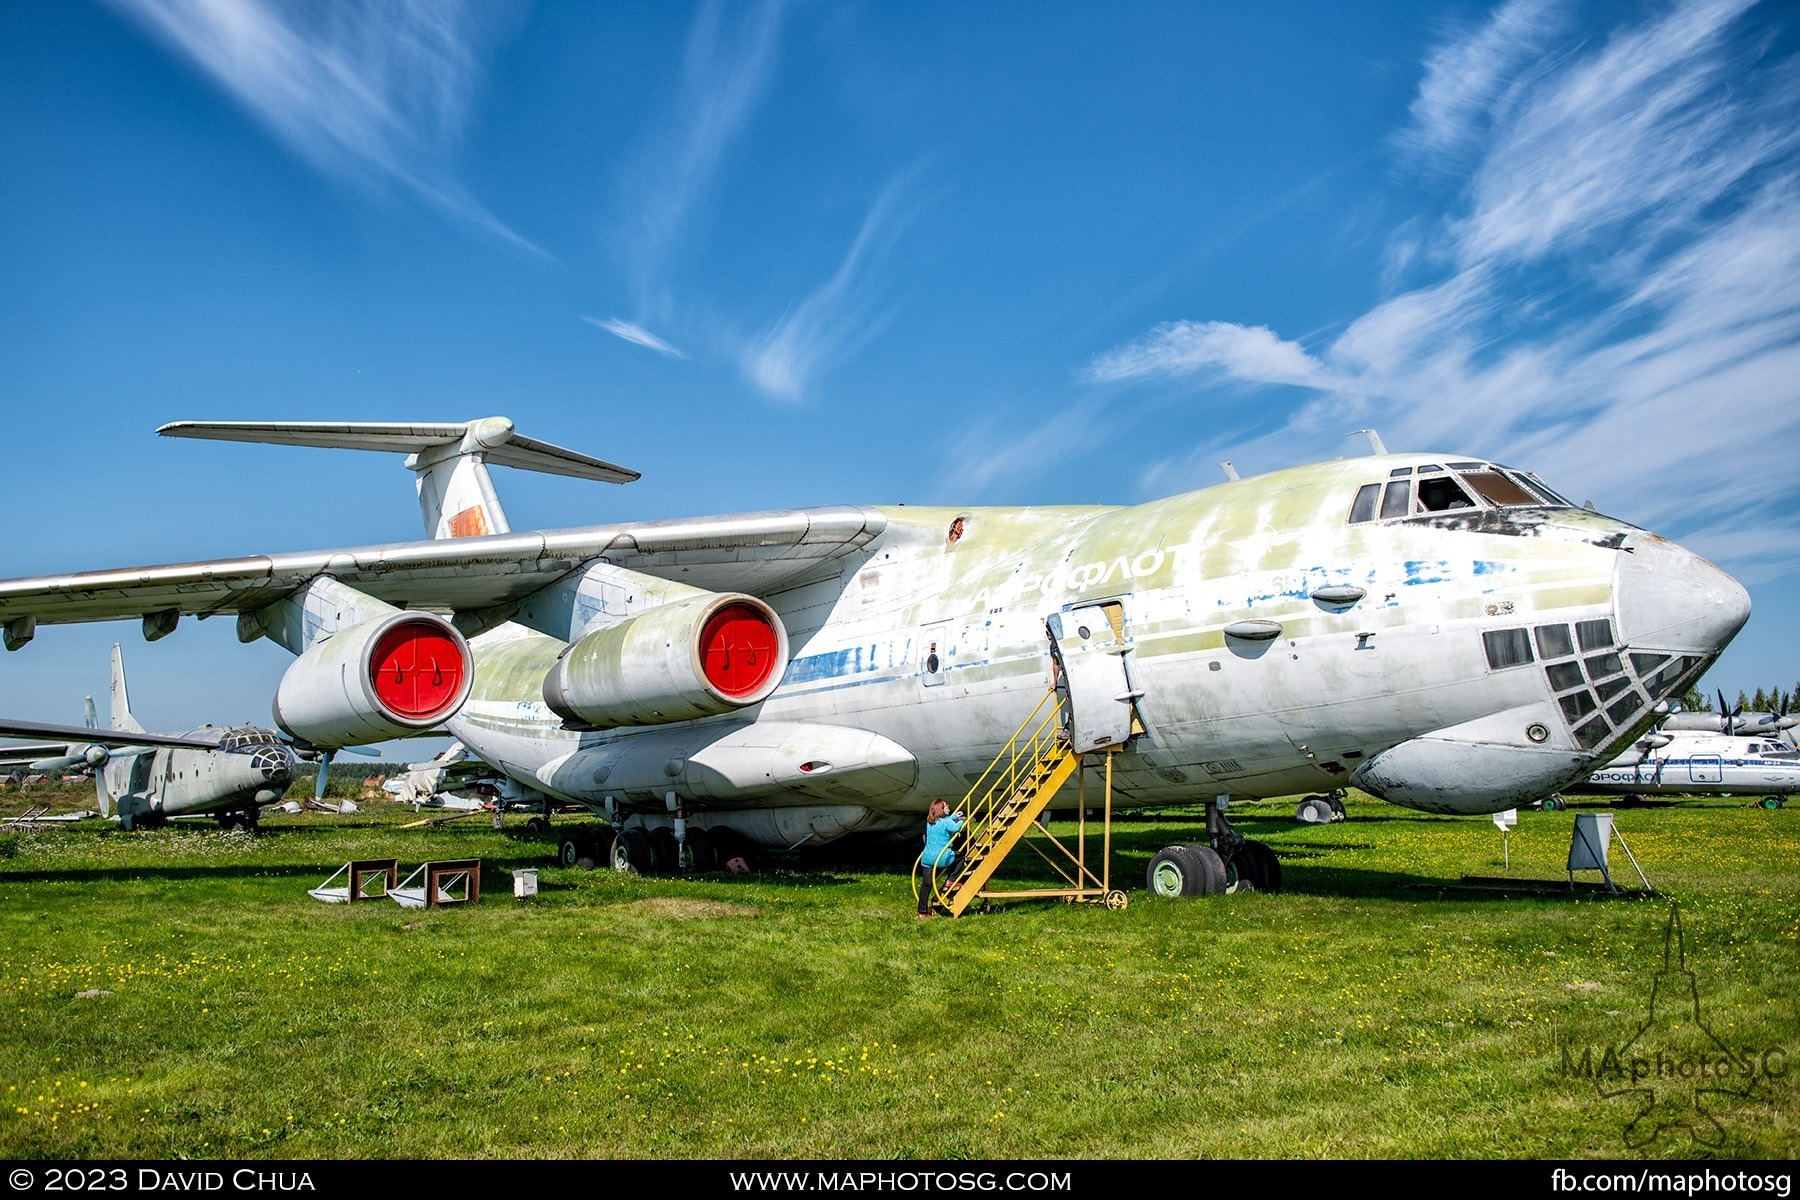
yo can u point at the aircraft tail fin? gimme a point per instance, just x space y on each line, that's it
121 702
451 458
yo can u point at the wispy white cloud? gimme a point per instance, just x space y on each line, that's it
996 452
1618 300
731 56
1238 351
838 317
636 334
1466 79
372 93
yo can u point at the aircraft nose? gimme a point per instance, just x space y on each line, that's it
1672 599
276 767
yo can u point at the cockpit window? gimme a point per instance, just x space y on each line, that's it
1498 489
1442 494
1458 486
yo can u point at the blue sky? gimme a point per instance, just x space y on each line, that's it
793 254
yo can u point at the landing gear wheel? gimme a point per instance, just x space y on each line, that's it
631 853
1773 802
1116 900
579 848
698 853
537 825
665 851
1209 868
1185 871
1258 867
1314 810
728 847
1171 874
1553 803
1237 879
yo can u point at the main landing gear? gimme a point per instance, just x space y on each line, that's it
655 851
1230 863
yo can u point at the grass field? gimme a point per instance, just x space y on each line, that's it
176 993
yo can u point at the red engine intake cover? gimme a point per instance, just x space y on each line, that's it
738 650
417 670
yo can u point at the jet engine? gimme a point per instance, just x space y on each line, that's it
695 657
386 678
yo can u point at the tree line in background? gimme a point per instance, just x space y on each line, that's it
1769 700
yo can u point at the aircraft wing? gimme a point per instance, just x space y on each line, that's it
757 553
82 735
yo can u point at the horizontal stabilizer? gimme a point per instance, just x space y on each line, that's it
493 437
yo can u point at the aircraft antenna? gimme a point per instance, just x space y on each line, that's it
1375 446
1230 471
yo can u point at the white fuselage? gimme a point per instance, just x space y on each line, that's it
1452 661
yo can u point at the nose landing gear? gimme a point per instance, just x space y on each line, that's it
1231 863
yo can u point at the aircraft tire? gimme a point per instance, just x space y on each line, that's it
1171 874
631 853
537 825
727 844
1258 864
1314 810
665 851
1209 870
1773 802
701 854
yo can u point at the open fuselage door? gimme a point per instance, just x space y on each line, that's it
1093 651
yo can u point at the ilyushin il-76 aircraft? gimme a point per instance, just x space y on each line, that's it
1441 631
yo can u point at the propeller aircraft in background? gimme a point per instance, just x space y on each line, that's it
1688 763
231 773
1444 632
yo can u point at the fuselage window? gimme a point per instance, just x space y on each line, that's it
1603 665
1553 641
1397 472
1363 507
1564 676
1594 635
1577 706
1442 494
1507 647
1397 500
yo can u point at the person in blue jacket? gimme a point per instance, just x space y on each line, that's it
940 826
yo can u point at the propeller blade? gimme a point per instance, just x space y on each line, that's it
91 718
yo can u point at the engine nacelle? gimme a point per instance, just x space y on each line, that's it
695 657
382 679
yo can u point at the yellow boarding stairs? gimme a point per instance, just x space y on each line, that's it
1003 807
